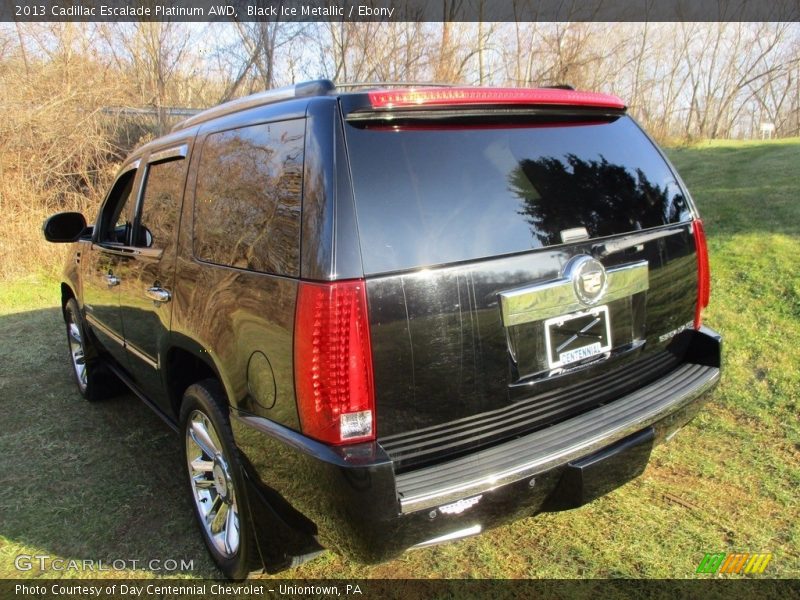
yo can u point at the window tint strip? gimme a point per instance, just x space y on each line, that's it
177 152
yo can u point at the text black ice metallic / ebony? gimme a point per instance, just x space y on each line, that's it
390 318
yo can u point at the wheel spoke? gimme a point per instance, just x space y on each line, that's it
202 439
213 511
212 433
231 531
204 484
202 466
220 519
75 332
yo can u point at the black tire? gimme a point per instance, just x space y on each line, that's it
223 487
94 380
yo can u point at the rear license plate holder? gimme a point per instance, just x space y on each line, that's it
578 336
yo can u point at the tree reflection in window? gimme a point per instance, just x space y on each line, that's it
248 198
162 195
603 197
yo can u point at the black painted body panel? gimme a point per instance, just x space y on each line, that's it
239 321
440 349
348 498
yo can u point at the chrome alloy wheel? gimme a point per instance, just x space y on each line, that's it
77 352
212 484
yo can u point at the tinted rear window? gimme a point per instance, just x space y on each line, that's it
435 195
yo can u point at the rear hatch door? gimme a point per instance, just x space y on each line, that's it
524 264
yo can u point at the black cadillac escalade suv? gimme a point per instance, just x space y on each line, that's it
390 318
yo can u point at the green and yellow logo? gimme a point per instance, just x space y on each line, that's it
742 562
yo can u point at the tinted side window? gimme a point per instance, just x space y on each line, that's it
116 219
162 197
248 197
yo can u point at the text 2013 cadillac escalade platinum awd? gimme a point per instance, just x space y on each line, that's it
389 318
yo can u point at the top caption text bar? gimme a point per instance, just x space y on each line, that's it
392 11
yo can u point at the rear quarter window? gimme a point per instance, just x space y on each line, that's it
248 198
436 194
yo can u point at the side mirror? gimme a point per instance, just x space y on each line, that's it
64 227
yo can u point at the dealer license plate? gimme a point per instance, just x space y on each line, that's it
577 336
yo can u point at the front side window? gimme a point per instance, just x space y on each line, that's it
248 198
161 203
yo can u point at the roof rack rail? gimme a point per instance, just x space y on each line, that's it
385 84
319 87
558 86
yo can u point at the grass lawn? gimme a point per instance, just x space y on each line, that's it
103 481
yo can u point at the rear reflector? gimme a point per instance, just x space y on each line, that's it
703 272
452 96
333 362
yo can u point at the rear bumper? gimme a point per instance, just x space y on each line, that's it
350 499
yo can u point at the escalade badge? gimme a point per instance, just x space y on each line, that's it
456 508
589 280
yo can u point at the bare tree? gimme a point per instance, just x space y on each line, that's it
61 140
153 54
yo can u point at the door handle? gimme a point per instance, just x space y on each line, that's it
158 294
112 280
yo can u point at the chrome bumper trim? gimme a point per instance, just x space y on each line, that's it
556 445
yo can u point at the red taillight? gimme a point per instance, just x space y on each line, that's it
333 362
447 96
703 272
